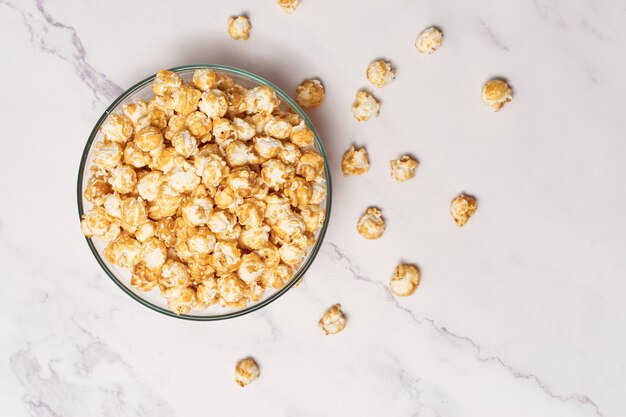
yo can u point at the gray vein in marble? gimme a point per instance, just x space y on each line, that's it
548 10
62 41
492 37
460 340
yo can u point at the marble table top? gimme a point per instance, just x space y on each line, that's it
520 313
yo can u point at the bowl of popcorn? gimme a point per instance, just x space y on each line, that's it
204 192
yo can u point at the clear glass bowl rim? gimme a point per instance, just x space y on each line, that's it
311 255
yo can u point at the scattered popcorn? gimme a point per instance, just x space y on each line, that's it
380 73
365 106
288 5
405 280
239 28
355 162
371 225
403 169
496 93
429 41
208 190
333 321
462 208
246 371
310 94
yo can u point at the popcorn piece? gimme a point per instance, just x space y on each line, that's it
232 290
107 155
95 223
278 208
135 110
149 185
239 28
213 103
299 191
255 237
275 173
165 82
278 128
180 300
198 124
212 168
236 100
97 189
148 139
164 159
135 157
250 213
288 5
153 253
223 130
261 99
310 166
184 100
380 73
365 106
355 162
313 217
165 204
184 143
144 278
270 255
289 153
429 41
267 147
318 191
224 225
117 128
310 93
123 251
205 79
207 293
133 213
182 178
174 274
291 254
278 276
238 153
145 231
112 205
227 199
496 93
226 257
241 181
197 210
246 371
371 225
302 135
243 129
203 242
462 208
123 179
403 169
251 268
333 321
405 280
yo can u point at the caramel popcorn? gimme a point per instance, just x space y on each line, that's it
246 371
310 93
462 208
333 321
496 93
380 73
403 169
208 190
365 106
405 280
288 5
429 41
355 162
239 28
371 225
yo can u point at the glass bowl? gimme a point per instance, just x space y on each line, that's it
121 276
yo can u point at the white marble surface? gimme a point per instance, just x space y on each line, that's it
520 313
